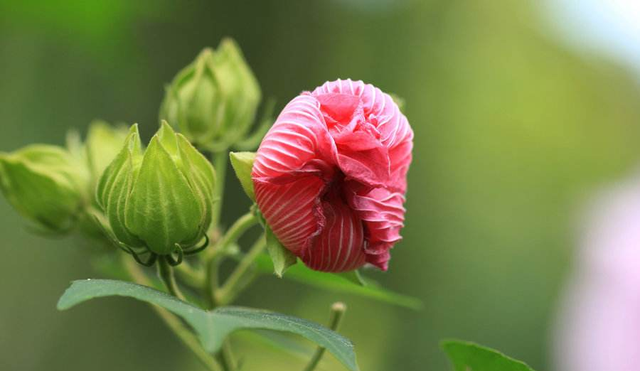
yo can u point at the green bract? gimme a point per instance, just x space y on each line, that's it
242 163
46 184
159 199
213 101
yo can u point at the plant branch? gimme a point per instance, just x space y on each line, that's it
226 356
238 228
232 287
211 262
337 313
219 160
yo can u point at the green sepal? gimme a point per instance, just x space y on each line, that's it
167 137
281 257
202 179
159 200
196 169
239 87
192 101
162 210
214 99
115 186
242 163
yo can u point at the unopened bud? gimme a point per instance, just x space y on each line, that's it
46 184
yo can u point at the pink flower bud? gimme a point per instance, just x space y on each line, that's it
331 174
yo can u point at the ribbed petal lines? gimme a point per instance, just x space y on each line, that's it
339 246
330 176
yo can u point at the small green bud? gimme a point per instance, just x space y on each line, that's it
46 184
213 101
103 144
161 198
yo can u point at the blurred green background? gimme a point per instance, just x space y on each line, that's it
514 130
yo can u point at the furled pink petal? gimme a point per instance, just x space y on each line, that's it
380 110
393 126
292 210
298 137
330 176
361 155
382 213
339 245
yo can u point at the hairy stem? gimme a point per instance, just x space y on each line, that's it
337 313
173 322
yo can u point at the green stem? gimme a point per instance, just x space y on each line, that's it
231 288
210 283
165 271
337 313
190 275
173 322
212 261
236 231
226 356
219 160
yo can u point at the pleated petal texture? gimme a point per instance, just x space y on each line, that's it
330 176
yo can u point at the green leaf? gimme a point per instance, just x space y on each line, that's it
242 163
281 258
467 356
277 341
214 326
340 283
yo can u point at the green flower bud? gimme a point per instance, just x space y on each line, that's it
46 184
213 101
103 144
159 199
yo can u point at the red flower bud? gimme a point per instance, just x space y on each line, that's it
330 176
